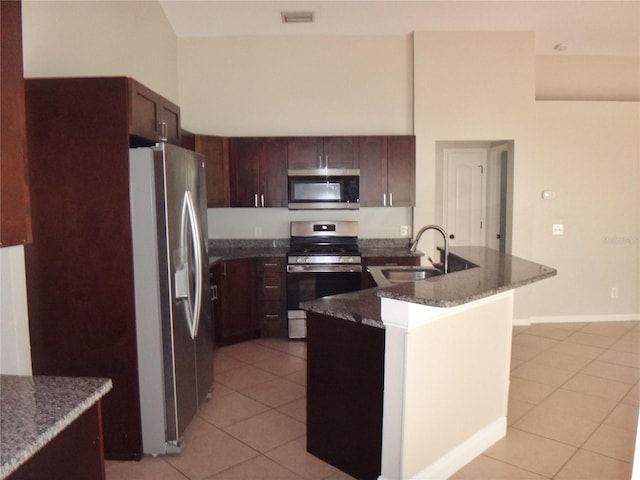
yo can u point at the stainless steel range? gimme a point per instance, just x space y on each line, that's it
323 260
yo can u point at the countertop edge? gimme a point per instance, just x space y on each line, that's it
383 293
45 437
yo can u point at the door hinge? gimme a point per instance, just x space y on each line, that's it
481 167
481 224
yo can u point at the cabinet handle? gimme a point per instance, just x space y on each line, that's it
391 199
262 200
163 131
384 199
272 286
255 199
272 315
271 264
224 269
214 293
319 161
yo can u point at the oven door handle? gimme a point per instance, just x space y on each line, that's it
324 268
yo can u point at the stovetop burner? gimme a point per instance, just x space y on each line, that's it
324 242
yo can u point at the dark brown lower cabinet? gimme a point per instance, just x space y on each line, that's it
235 310
76 453
345 379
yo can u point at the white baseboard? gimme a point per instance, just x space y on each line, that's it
604 317
457 458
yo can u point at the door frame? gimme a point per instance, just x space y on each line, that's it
506 192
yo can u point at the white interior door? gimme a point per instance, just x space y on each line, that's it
465 202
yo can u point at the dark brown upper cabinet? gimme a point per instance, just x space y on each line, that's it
258 171
322 152
216 151
152 117
387 171
15 215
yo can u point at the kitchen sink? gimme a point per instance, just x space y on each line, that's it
409 274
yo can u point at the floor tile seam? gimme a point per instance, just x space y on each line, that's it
600 422
626 392
266 455
590 450
235 389
618 364
281 375
520 429
244 419
555 388
617 336
504 462
567 462
174 467
542 437
219 472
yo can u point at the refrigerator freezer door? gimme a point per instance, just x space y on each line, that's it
171 276
187 346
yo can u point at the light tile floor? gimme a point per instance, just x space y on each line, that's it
573 413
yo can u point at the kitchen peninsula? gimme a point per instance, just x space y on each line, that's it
410 379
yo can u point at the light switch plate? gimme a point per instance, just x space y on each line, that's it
557 229
404 230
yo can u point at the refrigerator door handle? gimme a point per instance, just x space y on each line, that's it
189 212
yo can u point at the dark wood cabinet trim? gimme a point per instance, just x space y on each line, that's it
15 212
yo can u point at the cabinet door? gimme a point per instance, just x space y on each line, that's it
245 156
216 151
15 217
340 152
169 122
373 171
401 164
152 117
273 172
145 112
237 320
304 153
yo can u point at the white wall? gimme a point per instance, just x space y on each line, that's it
560 77
15 349
101 38
588 153
303 85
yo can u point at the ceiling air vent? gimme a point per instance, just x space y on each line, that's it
297 17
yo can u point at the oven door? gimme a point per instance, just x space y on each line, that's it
308 282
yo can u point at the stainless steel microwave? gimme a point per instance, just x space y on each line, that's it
324 188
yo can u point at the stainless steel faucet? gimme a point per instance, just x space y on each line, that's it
414 244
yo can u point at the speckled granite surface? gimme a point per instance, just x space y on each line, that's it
33 410
496 272
222 249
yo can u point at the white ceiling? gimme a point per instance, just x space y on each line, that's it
587 27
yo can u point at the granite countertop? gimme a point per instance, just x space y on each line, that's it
223 249
496 272
33 410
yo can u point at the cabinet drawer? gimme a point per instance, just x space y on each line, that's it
271 284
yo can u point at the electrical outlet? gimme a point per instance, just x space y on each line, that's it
614 292
557 229
404 230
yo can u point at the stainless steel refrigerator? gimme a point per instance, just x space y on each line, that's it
171 274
